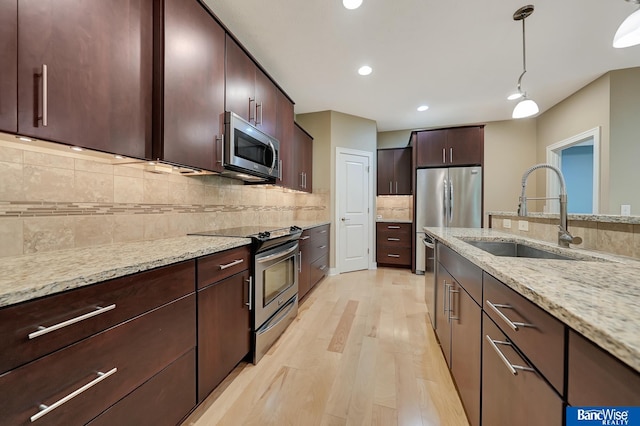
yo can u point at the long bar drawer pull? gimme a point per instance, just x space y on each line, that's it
393 239
323 247
46 409
393 227
44 330
229 265
393 255
512 324
306 237
512 368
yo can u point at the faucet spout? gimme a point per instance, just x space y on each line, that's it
564 237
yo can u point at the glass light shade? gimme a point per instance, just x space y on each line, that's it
628 33
351 4
525 108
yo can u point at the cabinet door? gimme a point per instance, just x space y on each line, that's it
597 378
513 399
430 148
240 80
193 86
402 171
444 281
265 103
303 159
8 71
386 165
465 146
284 134
98 57
223 330
466 333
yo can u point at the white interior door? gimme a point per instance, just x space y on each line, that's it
353 191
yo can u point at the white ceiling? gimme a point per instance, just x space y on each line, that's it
462 58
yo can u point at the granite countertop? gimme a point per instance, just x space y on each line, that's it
35 275
393 221
607 218
597 296
30 276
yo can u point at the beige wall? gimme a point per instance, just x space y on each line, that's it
624 143
509 150
394 139
336 130
584 110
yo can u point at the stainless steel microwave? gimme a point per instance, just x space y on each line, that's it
249 154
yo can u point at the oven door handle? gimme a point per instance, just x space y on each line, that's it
277 255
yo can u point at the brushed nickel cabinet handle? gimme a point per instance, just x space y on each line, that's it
323 247
451 155
324 231
390 188
451 292
250 302
393 227
300 261
513 369
45 96
396 187
444 156
514 325
45 330
229 265
221 139
306 237
393 255
258 105
254 116
46 409
393 239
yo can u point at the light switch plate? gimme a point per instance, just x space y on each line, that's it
523 225
506 223
379 216
625 209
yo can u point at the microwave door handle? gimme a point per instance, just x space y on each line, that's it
273 150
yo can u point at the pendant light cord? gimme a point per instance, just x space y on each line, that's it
524 56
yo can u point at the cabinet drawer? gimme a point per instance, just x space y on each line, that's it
120 299
319 270
466 273
538 334
513 399
394 256
132 352
219 266
393 230
317 246
164 400
318 230
598 379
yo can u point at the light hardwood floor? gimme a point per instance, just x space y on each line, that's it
359 352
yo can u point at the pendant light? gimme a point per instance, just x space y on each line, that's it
628 33
526 107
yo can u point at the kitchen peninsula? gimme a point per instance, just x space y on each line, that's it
572 322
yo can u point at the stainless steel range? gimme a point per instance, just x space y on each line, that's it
275 277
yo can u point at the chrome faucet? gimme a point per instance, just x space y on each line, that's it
564 237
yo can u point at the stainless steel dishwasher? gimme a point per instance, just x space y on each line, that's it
430 277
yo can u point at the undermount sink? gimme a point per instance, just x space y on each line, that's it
515 249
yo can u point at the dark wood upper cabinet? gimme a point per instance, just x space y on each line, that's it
97 88
394 171
249 91
459 146
190 113
284 134
303 160
8 70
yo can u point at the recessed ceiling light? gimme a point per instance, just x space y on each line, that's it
514 96
352 4
77 148
365 70
423 108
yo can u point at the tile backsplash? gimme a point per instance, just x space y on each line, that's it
53 200
395 207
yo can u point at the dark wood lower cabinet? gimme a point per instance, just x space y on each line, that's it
163 400
523 398
224 330
597 378
443 330
132 352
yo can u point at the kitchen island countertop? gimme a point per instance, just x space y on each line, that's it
599 297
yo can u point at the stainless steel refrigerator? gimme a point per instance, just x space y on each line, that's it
446 197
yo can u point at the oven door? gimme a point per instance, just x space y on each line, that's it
276 280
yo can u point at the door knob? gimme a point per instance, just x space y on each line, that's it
344 219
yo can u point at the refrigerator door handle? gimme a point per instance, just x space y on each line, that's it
451 200
445 204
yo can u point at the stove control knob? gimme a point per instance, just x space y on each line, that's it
295 228
265 234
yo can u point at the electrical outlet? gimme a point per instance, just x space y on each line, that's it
625 209
506 223
379 217
523 225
